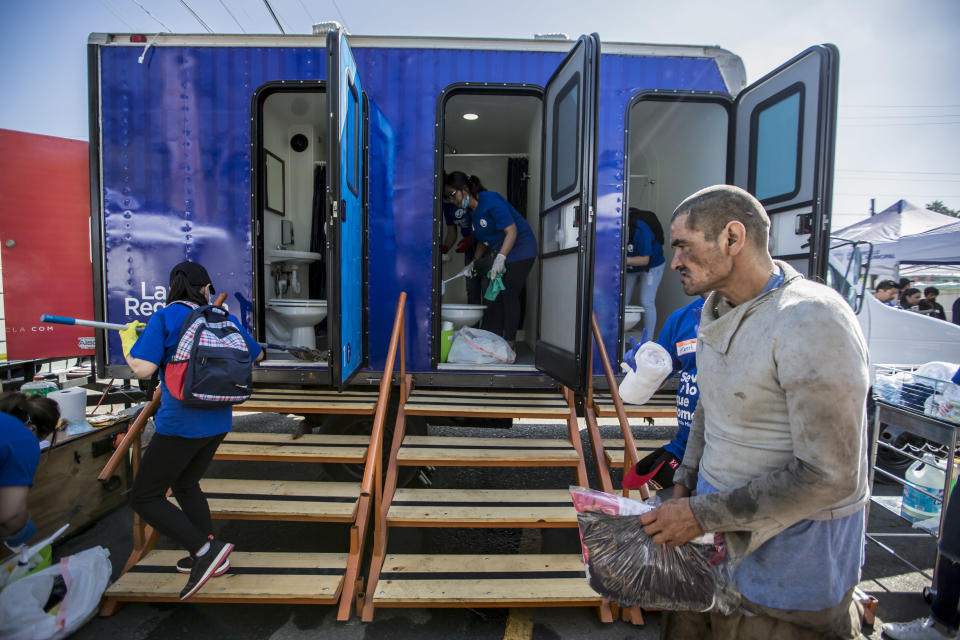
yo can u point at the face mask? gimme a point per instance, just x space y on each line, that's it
465 202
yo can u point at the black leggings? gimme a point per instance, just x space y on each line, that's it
171 462
502 316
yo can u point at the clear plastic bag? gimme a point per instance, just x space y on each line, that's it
624 565
22 604
476 346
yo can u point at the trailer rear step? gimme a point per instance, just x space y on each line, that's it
538 508
540 580
487 452
289 501
506 404
279 400
261 578
283 447
614 449
658 406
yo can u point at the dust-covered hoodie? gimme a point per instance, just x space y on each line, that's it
780 429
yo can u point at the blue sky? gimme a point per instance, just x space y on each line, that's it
899 116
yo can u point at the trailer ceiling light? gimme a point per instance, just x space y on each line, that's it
470 116
138 37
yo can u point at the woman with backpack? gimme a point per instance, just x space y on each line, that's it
186 436
645 263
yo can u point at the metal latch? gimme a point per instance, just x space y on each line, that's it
334 208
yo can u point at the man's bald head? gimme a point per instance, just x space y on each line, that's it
710 210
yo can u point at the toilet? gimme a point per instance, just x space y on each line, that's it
632 315
290 322
461 315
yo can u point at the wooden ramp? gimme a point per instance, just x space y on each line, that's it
463 580
275 577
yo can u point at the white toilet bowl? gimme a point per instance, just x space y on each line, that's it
632 315
461 315
296 320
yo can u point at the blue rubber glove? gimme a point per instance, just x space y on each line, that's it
631 357
16 541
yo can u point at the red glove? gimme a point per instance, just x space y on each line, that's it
465 244
444 248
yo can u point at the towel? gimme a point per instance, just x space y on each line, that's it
653 366
495 286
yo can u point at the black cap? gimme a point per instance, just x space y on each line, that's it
195 273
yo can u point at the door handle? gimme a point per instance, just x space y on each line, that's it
343 211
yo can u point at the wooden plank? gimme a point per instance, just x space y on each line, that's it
657 407
454 451
501 580
482 508
283 447
614 449
253 577
281 500
320 401
486 404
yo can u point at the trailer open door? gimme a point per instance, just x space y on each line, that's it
567 215
782 149
346 171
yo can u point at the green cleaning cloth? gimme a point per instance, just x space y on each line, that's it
495 286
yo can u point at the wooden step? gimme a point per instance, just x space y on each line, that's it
268 578
614 449
291 501
479 404
483 581
486 452
659 406
278 400
481 508
282 447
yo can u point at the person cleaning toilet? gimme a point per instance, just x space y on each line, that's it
497 227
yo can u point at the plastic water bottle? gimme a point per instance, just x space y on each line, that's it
39 387
929 476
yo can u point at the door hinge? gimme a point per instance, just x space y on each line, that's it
334 207
590 214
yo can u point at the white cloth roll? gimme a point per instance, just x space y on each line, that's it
653 366
73 404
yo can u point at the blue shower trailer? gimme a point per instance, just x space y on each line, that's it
299 168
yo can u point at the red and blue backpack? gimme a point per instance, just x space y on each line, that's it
211 367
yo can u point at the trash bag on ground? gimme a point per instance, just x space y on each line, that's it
624 565
476 346
653 366
55 602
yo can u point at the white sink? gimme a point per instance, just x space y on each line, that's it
291 257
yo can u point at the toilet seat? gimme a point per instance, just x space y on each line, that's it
287 302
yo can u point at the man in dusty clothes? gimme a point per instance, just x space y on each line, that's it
776 455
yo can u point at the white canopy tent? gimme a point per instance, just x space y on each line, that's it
887 231
940 246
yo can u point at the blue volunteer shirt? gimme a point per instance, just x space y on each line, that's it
19 453
644 243
459 217
157 344
679 338
494 214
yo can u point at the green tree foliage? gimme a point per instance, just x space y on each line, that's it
939 207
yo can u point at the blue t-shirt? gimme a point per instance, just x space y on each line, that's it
459 217
679 338
644 243
157 344
494 214
19 453
808 566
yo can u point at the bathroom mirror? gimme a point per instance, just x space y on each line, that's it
286 233
273 172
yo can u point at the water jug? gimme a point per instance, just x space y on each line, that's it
38 387
929 476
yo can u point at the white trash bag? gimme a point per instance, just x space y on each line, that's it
653 366
86 576
476 346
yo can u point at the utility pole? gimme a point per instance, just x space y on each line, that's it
873 204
